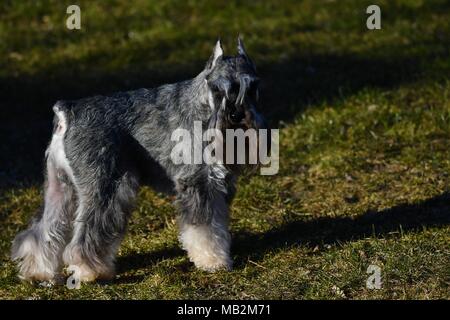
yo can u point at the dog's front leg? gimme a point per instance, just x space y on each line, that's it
204 225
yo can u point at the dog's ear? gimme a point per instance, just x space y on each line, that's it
241 47
217 53
242 52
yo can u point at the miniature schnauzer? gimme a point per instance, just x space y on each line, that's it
103 148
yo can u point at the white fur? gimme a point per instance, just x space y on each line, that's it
38 249
208 246
32 260
211 99
56 149
218 51
81 273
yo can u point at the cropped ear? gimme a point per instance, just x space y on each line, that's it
217 53
241 47
243 53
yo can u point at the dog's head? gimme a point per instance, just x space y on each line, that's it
233 93
233 89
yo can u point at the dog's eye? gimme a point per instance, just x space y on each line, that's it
234 89
220 86
237 115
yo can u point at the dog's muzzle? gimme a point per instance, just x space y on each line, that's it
236 116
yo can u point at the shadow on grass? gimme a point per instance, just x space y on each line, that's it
138 261
340 230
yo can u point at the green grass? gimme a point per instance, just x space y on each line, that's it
364 150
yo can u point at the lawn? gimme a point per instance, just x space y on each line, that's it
364 118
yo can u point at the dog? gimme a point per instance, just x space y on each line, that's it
104 147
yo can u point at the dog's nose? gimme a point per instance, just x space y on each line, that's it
237 116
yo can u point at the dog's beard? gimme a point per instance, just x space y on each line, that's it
222 119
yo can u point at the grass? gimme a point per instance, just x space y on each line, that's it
365 142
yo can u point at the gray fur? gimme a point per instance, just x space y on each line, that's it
115 143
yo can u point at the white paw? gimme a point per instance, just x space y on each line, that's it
212 263
79 273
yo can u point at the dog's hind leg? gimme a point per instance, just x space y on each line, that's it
106 187
99 227
38 250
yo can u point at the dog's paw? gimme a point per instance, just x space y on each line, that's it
80 273
83 273
34 264
213 263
